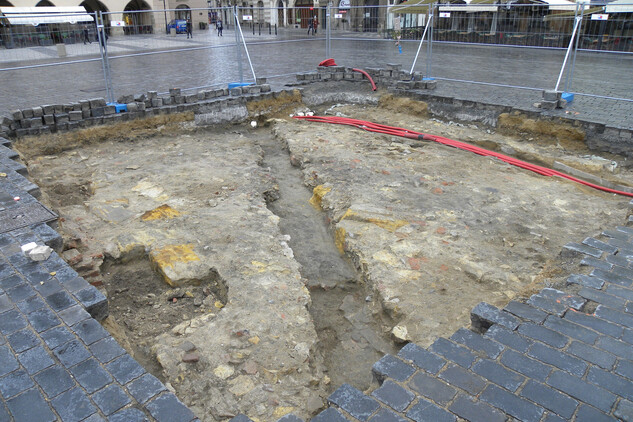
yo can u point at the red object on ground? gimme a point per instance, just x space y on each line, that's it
396 131
373 85
327 62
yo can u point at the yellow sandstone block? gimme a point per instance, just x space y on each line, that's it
167 257
317 195
384 223
163 212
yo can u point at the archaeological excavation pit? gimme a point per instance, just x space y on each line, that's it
255 269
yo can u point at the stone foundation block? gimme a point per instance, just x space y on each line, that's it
75 116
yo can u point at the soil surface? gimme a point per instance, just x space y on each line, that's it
256 269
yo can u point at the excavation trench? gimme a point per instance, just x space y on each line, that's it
347 319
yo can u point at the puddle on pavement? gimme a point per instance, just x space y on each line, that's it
347 320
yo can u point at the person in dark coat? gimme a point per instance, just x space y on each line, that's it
311 26
219 27
189 28
86 37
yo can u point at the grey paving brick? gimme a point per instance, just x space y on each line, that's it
60 300
611 277
422 358
591 354
569 300
145 387
354 402
598 244
525 311
601 297
64 274
624 272
625 368
508 338
549 398
477 343
93 300
432 388
20 293
585 280
474 410
73 405
48 287
35 359
15 383
561 360
57 336
11 321
329 415
23 340
54 381
384 415
548 305
581 390
459 377
8 363
43 319
595 323
76 284
391 367
71 353
624 411
424 411
543 334
617 347
106 349
125 369
453 352
511 404
620 318
616 234
525 365
622 292
394 396
74 314
577 248
30 406
4 413
552 417
167 408
90 330
91 375
290 418
611 382
497 374
31 304
10 282
484 315
110 399
241 418
618 260
589 414
590 261
571 329
95 417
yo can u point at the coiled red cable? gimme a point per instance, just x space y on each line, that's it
396 131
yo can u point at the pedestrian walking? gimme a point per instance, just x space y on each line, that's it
218 26
315 25
104 38
189 29
86 37
311 26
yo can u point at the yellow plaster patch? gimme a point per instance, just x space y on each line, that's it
317 195
164 212
339 239
384 223
169 256
282 411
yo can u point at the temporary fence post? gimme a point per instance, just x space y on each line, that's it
238 48
328 30
429 44
105 63
275 29
248 57
428 24
570 76
571 44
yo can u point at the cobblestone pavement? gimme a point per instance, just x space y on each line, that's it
211 61
57 363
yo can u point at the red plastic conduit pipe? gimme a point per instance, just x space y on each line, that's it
396 131
373 85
